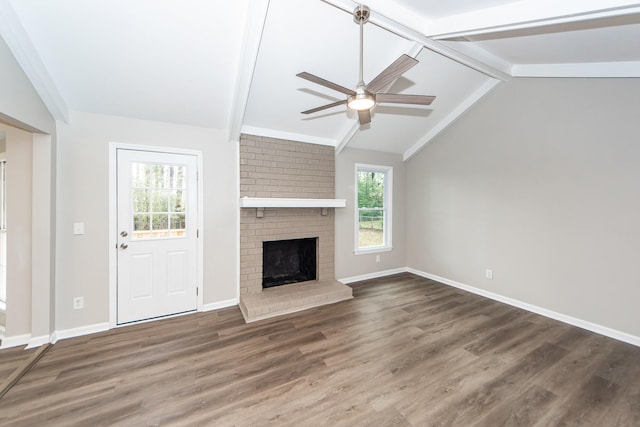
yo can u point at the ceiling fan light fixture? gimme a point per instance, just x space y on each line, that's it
361 101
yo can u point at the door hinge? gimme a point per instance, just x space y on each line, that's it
197 233
197 290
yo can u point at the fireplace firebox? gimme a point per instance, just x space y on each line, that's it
289 261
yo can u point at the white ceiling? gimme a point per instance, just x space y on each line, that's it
233 64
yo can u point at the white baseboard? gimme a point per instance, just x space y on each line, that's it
76 332
584 324
220 304
374 275
15 341
38 341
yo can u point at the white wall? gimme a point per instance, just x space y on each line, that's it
540 182
348 264
82 267
19 184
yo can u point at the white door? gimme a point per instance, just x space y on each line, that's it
157 234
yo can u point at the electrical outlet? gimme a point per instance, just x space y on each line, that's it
488 274
377 258
78 303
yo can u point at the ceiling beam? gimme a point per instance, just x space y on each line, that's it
254 27
26 55
526 14
581 70
496 71
348 137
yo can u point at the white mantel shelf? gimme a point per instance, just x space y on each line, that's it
271 202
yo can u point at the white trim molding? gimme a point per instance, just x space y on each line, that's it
79 331
220 304
387 208
15 341
38 341
374 275
580 323
273 202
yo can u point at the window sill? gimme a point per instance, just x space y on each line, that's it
374 250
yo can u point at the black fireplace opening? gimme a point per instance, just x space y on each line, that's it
288 261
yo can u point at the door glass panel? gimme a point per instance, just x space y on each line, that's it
158 200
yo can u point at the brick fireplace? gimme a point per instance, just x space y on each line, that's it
274 168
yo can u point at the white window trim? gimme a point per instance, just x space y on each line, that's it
388 209
3 215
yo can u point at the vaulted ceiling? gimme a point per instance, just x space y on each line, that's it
233 64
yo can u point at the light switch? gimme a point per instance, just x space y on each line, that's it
78 228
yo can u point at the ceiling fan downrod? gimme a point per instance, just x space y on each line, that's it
361 16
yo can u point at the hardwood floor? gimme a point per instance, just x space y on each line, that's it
405 351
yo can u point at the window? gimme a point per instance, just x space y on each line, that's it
373 213
159 200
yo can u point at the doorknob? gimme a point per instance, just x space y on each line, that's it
123 246
124 233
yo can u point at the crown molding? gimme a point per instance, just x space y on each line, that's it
290 136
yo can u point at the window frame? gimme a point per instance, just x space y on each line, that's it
387 209
3 193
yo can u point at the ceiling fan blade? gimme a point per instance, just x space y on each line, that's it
398 98
324 107
325 83
392 72
364 116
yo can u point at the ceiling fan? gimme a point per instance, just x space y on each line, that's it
366 96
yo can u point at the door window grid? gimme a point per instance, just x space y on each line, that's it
158 200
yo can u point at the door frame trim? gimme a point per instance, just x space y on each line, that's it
113 222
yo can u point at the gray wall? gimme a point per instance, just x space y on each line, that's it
541 183
21 106
347 263
19 184
18 98
82 267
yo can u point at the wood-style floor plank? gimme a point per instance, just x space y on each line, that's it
406 351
